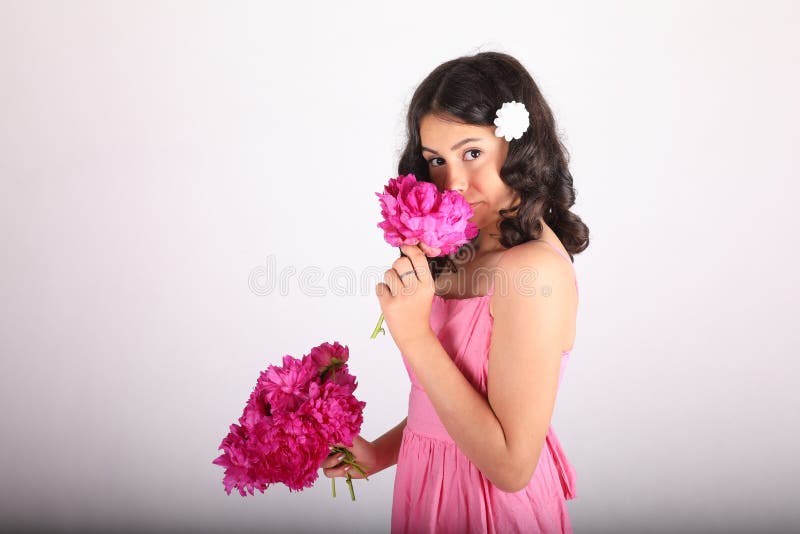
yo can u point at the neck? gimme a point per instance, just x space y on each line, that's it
487 242
488 239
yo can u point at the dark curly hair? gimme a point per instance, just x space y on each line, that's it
472 89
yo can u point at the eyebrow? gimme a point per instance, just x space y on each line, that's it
455 146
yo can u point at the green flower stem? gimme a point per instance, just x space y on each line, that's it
350 485
378 328
348 459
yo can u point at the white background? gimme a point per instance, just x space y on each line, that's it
153 155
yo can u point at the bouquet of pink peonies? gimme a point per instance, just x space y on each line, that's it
292 417
415 212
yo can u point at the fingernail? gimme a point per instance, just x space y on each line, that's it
346 469
339 458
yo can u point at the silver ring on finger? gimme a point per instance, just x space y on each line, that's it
407 273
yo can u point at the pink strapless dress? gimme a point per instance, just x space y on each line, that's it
437 488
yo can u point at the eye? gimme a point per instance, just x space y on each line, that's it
471 151
433 160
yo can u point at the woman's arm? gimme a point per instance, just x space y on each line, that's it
503 434
387 446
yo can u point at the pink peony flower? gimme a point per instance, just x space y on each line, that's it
328 356
287 387
415 212
238 461
294 449
336 413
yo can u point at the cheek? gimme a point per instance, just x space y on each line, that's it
436 179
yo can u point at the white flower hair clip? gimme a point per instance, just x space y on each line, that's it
512 120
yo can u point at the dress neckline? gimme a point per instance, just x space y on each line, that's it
476 297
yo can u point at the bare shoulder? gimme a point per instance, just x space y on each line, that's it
535 293
531 268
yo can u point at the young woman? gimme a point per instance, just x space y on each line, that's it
485 333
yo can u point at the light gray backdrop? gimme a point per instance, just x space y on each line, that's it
158 158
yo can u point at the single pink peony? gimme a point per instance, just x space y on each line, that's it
293 449
287 387
336 413
415 212
242 459
327 356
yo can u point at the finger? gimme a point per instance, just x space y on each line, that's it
340 472
402 265
420 263
337 472
333 461
405 272
408 282
382 290
431 252
392 279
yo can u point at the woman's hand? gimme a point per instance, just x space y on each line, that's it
406 302
365 454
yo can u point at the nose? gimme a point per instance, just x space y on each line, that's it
455 180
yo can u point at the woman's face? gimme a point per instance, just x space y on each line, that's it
468 159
